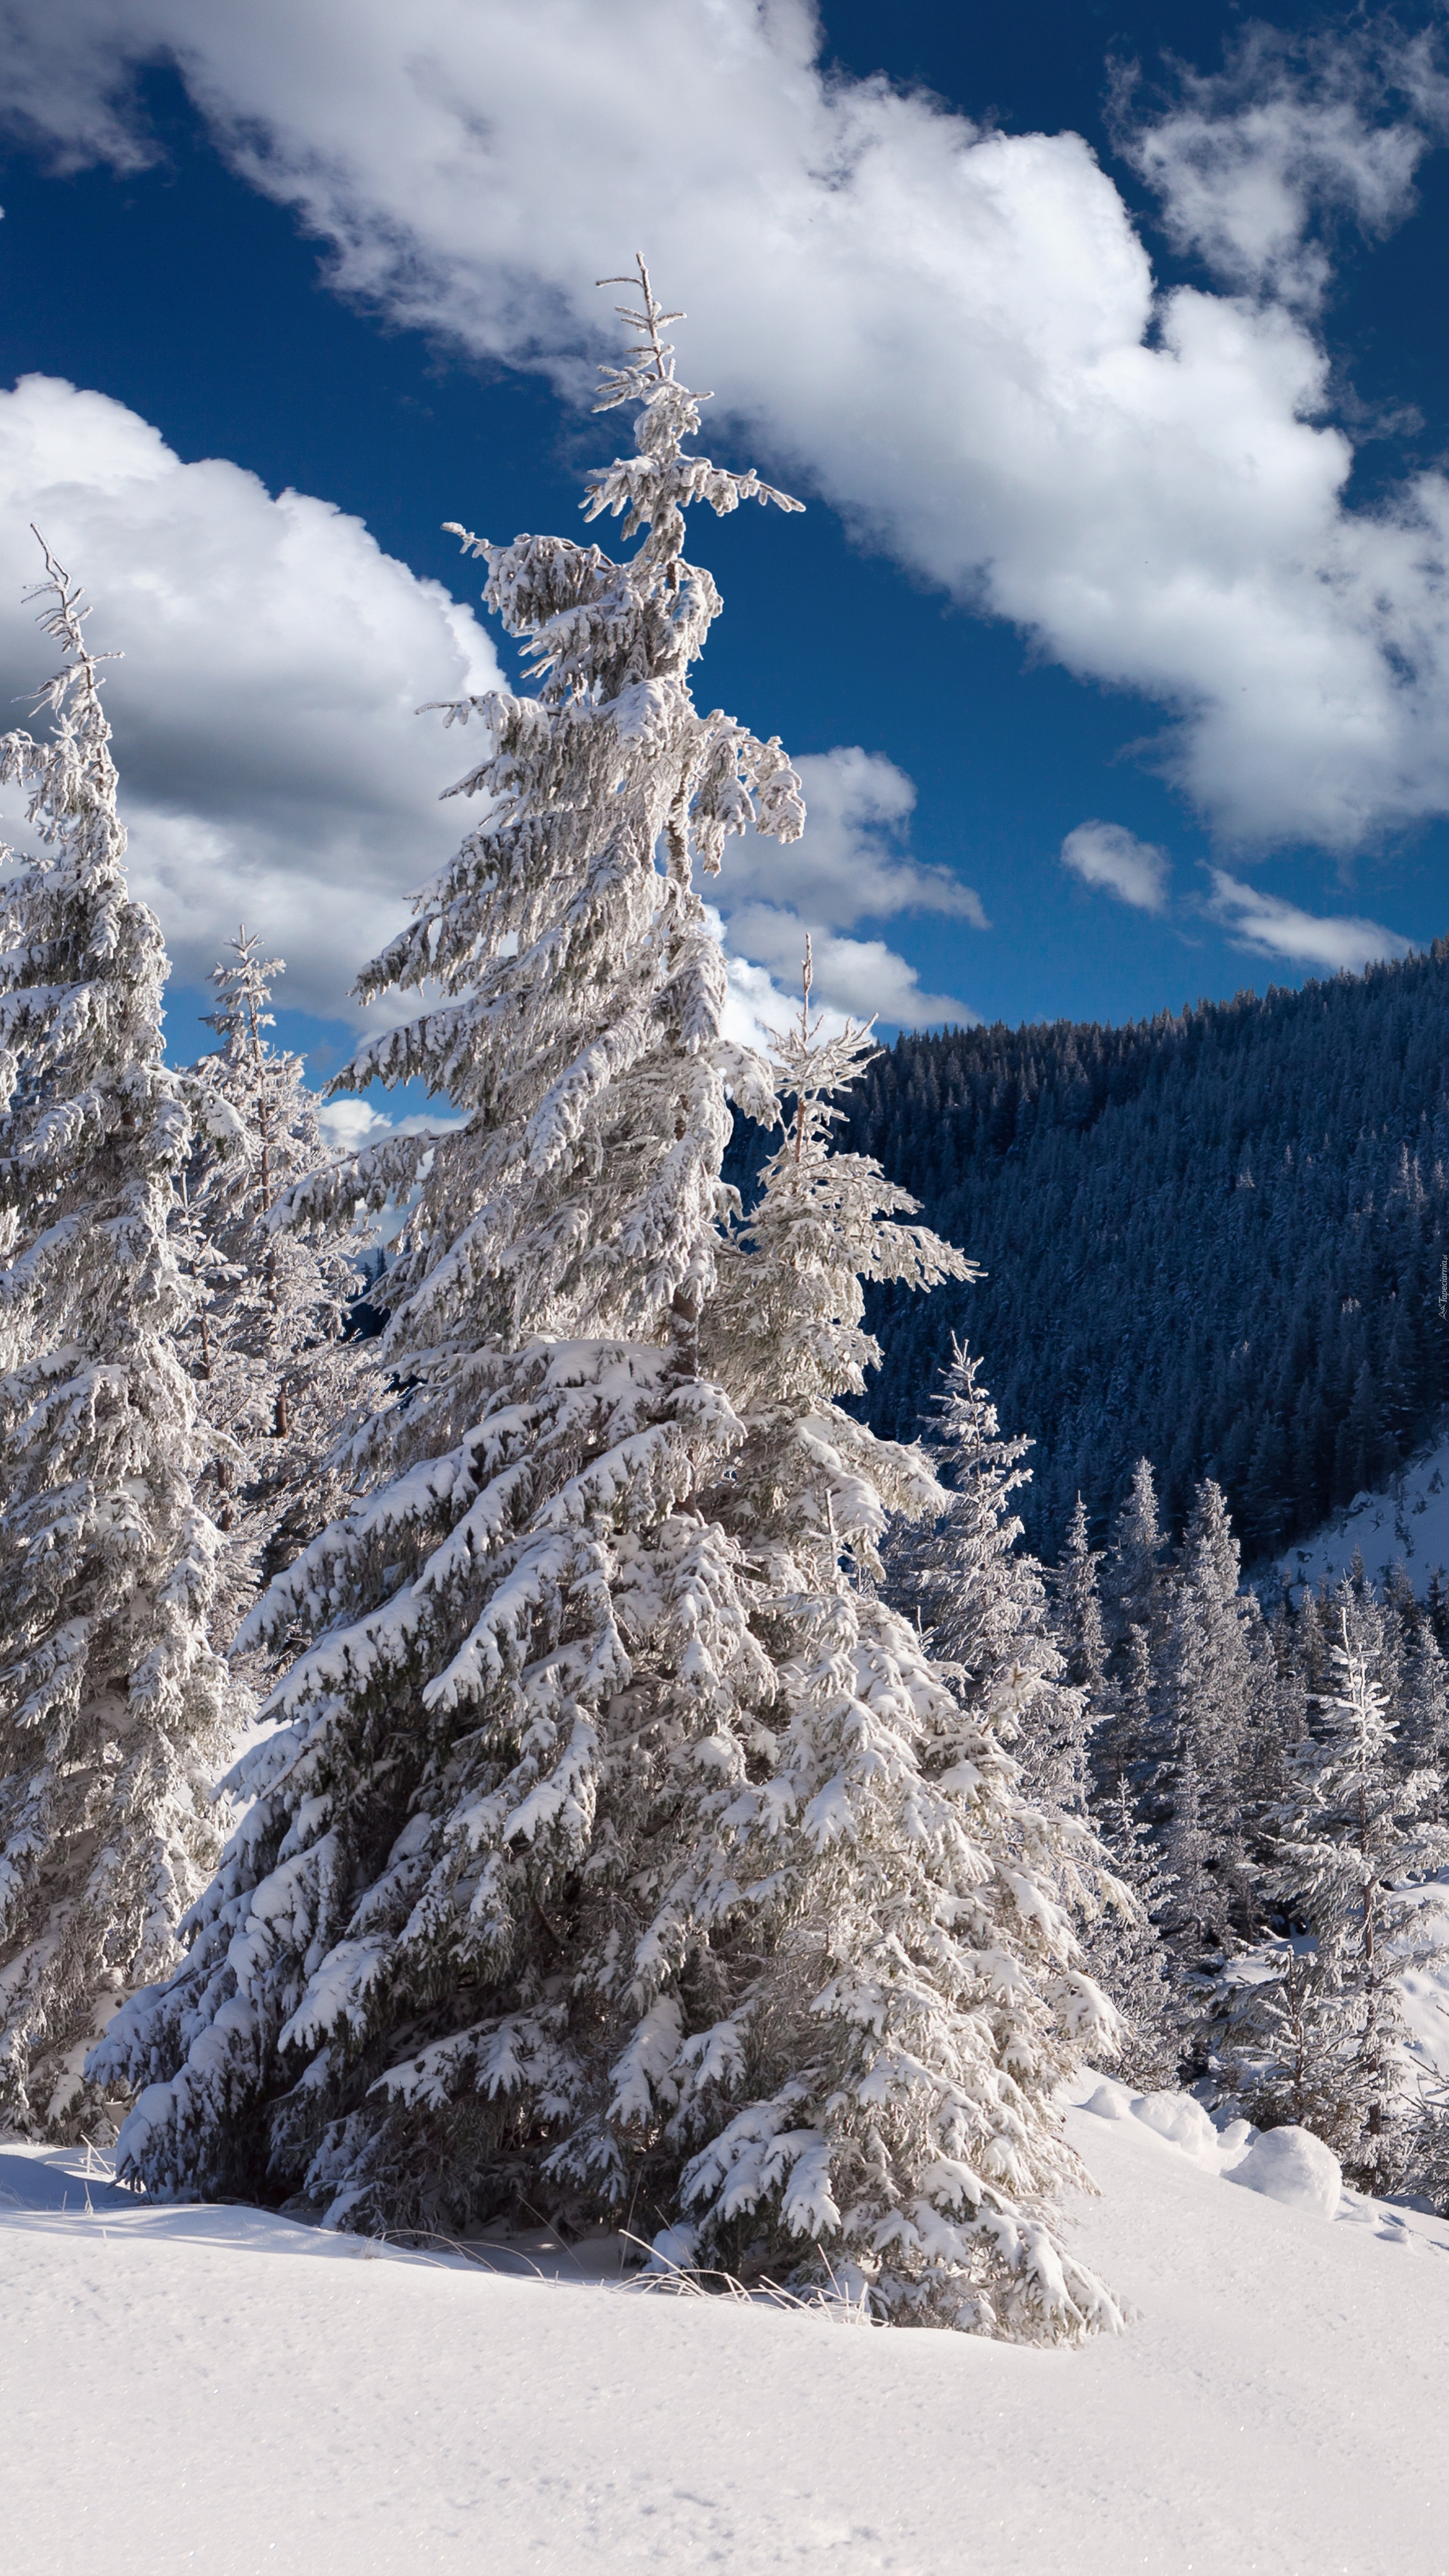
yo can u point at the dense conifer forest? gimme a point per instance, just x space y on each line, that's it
1218 1239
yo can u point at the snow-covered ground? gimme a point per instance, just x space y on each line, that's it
217 2389
1409 1519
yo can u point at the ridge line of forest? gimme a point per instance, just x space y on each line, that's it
1218 1238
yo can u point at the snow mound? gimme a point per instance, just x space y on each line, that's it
1179 2119
675 2249
59 2182
1111 2101
1293 2166
1287 2165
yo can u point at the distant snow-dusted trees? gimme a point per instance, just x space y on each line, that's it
1219 1236
113 1707
1351 1838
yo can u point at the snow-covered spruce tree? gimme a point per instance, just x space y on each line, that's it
266 1342
1351 1836
1132 1725
1132 1611
1132 1573
1124 1945
1288 2049
507 1927
1127 1955
983 1600
113 1709
1278 1723
421 1987
1077 1610
1196 1921
1208 1690
876 2086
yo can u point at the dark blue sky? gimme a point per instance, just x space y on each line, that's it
196 301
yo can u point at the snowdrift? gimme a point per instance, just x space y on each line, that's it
217 2388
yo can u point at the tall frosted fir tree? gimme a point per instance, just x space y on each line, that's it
280 1297
480 1946
1131 1575
526 1622
112 1706
1132 1605
1127 1956
1077 1603
1207 1697
907 1994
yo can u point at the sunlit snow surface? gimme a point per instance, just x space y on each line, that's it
1409 1520
218 2389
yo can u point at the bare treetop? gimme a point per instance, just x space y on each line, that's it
648 325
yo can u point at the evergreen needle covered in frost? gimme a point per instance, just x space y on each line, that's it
111 1703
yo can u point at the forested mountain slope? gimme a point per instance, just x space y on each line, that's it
1218 1238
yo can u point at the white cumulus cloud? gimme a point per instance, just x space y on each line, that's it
1267 926
1252 162
953 333
1106 854
850 865
272 764
350 1121
855 979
